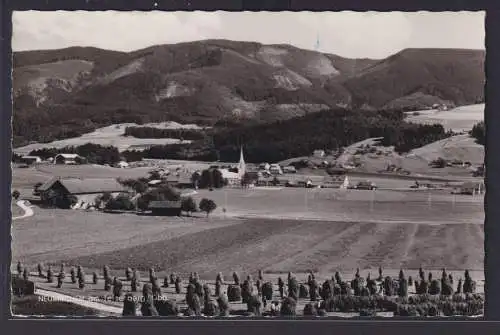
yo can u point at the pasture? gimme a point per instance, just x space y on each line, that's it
26 178
110 136
431 207
458 119
409 236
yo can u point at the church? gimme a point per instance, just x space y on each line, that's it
234 178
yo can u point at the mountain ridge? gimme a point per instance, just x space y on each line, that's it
215 80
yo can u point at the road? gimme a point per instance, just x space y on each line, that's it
27 210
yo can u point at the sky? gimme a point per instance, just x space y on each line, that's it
348 34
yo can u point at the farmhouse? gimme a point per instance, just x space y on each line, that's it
275 169
122 165
84 190
69 159
319 153
289 169
471 188
165 208
31 159
180 180
232 178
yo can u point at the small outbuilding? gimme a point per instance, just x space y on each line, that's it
68 159
31 159
165 208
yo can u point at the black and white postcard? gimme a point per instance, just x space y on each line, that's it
239 164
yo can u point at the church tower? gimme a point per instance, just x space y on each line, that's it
241 164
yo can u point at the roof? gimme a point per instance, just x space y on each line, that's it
68 156
472 184
182 178
165 204
226 174
86 186
33 157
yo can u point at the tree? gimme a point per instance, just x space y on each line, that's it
121 202
207 206
16 194
195 179
479 133
439 163
188 205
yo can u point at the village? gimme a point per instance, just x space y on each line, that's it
86 193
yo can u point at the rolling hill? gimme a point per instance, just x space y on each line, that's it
67 92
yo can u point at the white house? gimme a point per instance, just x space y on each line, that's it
31 159
264 166
68 159
122 165
275 169
232 178
319 153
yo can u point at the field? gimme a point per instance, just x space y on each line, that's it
109 136
276 230
458 119
323 234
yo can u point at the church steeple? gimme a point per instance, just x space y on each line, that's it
241 164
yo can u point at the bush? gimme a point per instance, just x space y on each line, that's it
310 310
439 163
16 194
148 308
288 307
129 305
105 271
234 293
267 291
117 289
303 291
50 275
211 308
236 278
194 306
60 279
388 286
178 287
128 274
73 275
246 291
107 283
121 202
327 290
167 307
207 206
281 287
254 305
81 281
405 310
367 313
435 287
479 133
218 288
223 304
188 205
403 287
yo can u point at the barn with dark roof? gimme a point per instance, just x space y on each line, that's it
85 190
